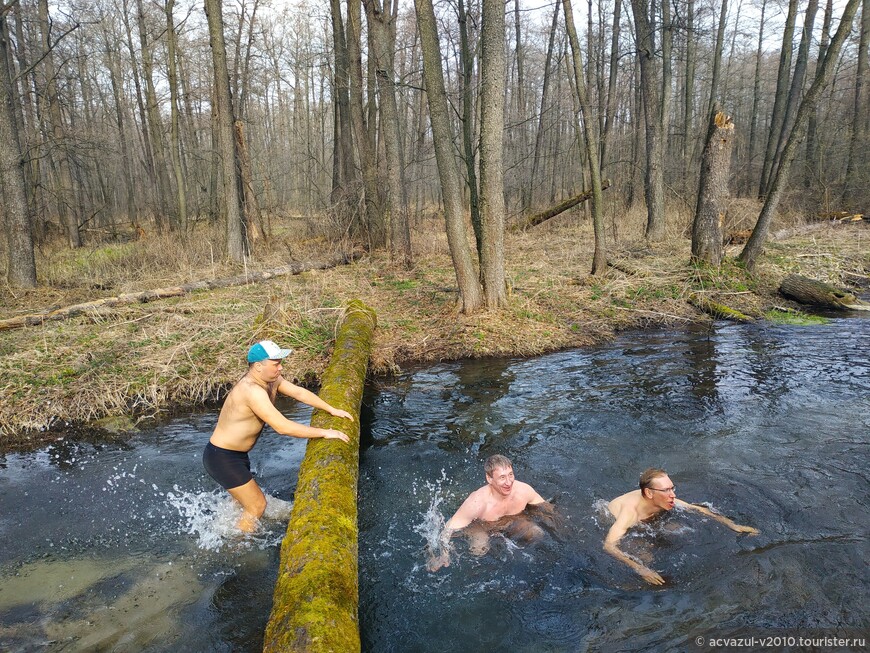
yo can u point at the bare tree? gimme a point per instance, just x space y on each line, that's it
470 291
492 206
754 245
599 260
237 241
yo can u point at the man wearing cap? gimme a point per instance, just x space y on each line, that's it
248 407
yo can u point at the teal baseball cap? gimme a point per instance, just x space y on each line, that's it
266 349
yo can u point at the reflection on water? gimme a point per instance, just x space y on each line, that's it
767 425
131 547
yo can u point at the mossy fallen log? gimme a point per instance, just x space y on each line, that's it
297 267
316 599
821 294
717 310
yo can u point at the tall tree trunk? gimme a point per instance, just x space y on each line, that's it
466 79
174 137
857 157
155 125
610 115
713 190
363 141
797 81
20 262
599 259
65 192
812 162
756 95
539 136
779 102
688 94
381 22
717 60
237 240
343 137
754 245
654 184
492 206
470 290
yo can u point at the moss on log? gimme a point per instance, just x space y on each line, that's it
315 606
818 293
718 310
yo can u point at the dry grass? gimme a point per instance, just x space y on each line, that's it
143 359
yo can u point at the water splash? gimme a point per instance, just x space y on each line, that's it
433 520
212 518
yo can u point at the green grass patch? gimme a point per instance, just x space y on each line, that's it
794 317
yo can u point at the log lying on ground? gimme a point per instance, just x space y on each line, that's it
717 310
817 293
317 594
35 319
553 211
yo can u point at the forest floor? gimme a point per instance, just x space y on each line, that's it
115 368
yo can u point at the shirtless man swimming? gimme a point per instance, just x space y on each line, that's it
656 494
482 512
248 406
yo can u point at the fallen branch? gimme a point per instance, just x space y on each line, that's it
553 211
35 319
717 310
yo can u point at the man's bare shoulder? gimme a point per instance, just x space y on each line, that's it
628 500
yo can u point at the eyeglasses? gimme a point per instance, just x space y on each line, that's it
673 489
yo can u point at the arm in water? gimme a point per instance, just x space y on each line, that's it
467 513
625 520
737 528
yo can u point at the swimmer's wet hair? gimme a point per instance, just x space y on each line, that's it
648 476
496 462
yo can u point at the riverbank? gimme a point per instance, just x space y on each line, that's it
136 362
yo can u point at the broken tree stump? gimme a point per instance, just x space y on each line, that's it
818 293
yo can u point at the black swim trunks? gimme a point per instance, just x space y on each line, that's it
229 468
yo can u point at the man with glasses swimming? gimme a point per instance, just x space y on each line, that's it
656 494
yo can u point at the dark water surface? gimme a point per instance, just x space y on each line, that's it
769 425
130 547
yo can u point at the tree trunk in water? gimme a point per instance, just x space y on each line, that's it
713 190
316 599
650 88
492 207
237 241
470 290
20 263
754 245
381 21
599 259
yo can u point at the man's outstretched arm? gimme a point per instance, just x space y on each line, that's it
611 546
737 528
